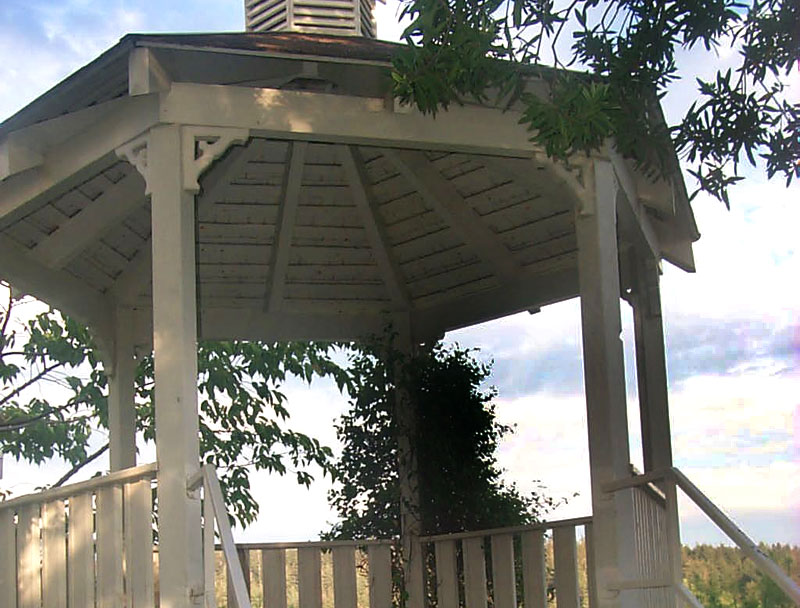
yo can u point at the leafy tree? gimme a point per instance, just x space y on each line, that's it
631 53
454 440
53 398
723 577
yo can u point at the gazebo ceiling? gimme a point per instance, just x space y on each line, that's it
311 237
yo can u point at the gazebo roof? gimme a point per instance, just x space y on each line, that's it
333 212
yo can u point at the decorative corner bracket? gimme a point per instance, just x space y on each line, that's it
135 152
202 146
576 174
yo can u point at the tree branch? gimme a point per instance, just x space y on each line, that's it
33 380
91 458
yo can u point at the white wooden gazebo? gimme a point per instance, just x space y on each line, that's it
265 186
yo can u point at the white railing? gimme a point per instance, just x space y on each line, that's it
670 480
454 566
446 571
85 544
319 573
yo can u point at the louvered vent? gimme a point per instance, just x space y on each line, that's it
338 17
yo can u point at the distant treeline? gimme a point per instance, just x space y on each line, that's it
722 577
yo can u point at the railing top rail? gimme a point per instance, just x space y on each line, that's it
545 525
145 471
322 544
640 480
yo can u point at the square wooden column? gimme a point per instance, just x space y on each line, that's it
175 352
651 365
121 391
604 378
410 516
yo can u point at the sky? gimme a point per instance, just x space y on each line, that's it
732 328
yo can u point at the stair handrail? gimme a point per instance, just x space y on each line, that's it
762 561
214 510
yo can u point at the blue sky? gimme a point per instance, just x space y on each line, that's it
733 328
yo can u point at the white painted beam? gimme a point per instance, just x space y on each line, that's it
445 200
67 161
132 280
360 188
16 157
283 236
92 222
633 218
604 378
527 292
345 119
269 326
145 73
69 295
175 356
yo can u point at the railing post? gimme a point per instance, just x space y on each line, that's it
175 359
8 559
604 379
673 539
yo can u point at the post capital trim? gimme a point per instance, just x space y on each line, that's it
201 146
135 152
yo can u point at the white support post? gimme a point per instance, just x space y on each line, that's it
604 377
410 522
651 366
121 408
175 351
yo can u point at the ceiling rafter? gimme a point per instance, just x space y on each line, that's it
361 190
91 223
73 297
443 198
287 216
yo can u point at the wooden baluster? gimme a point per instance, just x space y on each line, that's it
28 570
54 553
80 544
139 544
534 569
309 577
273 577
474 573
505 582
380 576
344 577
110 591
446 574
8 559
244 559
415 577
591 578
566 567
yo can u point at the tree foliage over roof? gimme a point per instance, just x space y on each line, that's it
631 52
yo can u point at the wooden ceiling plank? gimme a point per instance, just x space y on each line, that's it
92 223
443 197
288 216
392 276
